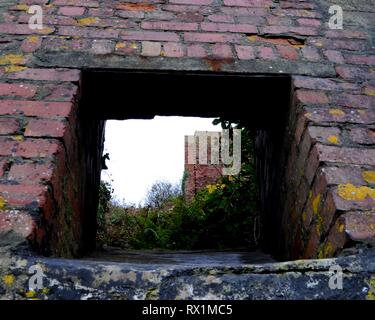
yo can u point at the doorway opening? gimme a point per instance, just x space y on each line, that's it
238 102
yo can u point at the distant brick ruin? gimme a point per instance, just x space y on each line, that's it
198 175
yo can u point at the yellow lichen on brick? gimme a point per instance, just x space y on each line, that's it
369 176
371 292
134 46
33 39
120 45
12 59
8 279
341 227
351 192
316 203
13 68
333 139
22 7
370 92
30 294
336 112
2 203
88 21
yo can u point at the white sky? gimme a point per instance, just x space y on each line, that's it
144 151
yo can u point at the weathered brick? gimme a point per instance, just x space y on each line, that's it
23 29
31 44
194 2
22 195
222 51
36 108
359 156
172 49
19 222
312 97
228 27
334 56
326 135
45 128
72 11
165 25
311 54
343 174
150 36
309 22
266 53
245 52
354 101
151 49
357 59
8 125
364 136
248 3
354 73
17 90
30 173
287 52
275 30
37 148
360 226
211 37
196 51
47 75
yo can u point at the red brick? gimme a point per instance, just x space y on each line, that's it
343 175
334 56
196 51
222 51
151 49
360 226
172 49
221 18
228 27
8 125
12 28
343 203
314 83
344 33
16 221
323 115
150 36
87 32
312 97
211 37
346 72
31 44
45 128
248 3
17 90
37 148
311 54
7 146
364 136
36 108
165 25
276 30
356 59
30 173
78 3
288 52
22 195
359 156
309 22
47 75
265 53
72 11
325 134
194 2
354 101
245 52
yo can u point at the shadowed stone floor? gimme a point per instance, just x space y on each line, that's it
181 258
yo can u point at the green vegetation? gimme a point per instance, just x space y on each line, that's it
223 215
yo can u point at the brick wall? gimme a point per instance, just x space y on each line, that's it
199 175
329 166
